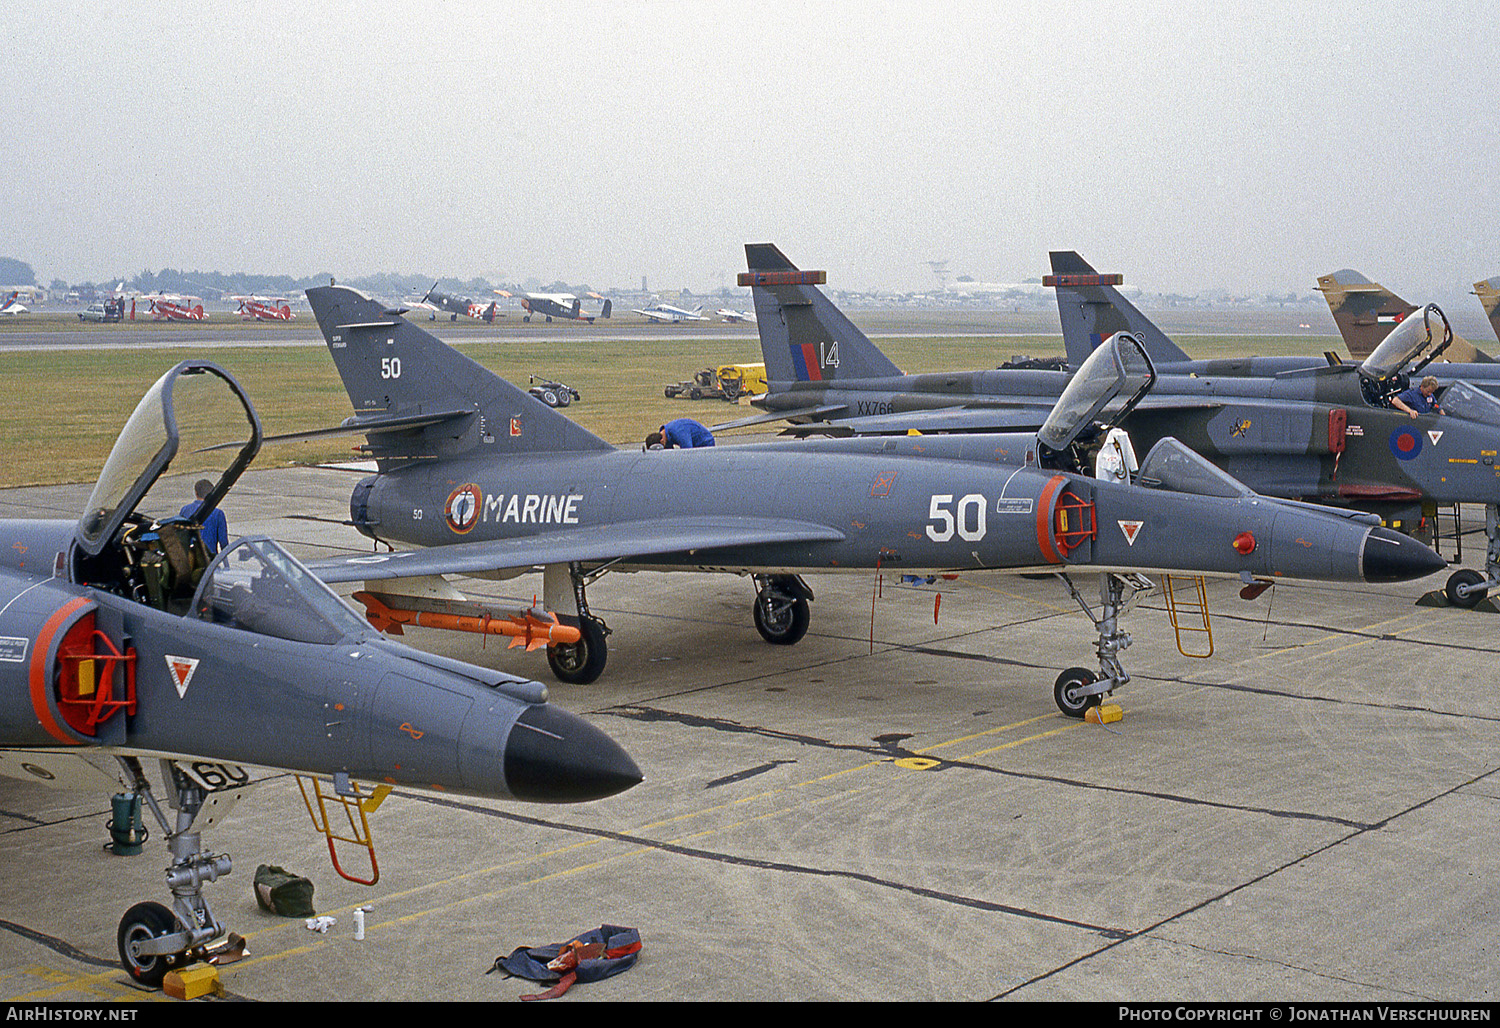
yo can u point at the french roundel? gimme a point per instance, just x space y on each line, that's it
1405 443
462 509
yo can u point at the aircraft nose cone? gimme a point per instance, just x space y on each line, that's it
553 756
1393 557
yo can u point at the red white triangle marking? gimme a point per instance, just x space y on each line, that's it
181 669
1131 530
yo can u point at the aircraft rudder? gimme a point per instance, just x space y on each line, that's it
392 367
804 337
1091 310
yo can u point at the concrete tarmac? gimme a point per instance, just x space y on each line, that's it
893 809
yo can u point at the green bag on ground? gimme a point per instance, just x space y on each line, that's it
283 893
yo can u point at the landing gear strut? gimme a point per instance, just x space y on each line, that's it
154 939
1077 689
582 662
781 608
1467 587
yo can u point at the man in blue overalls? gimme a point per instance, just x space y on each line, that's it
684 434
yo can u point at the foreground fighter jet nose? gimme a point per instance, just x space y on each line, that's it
1393 557
553 756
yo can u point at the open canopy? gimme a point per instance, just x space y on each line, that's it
1420 338
1106 386
195 400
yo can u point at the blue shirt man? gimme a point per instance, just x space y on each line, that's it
1419 399
683 433
216 527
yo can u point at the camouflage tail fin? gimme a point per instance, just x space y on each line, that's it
1488 292
1364 311
422 398
803 336
1092 310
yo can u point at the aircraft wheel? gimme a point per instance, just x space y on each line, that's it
1469 577
563 399
141 922
527 318
582 662
1065 691
785 624
549 398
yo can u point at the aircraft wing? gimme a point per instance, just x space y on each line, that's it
646 538
943 419
781 415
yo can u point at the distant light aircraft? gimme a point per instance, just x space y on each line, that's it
505 483
667 314
265 308
1366 312
564 306
122 640
733 316
170 307
453 306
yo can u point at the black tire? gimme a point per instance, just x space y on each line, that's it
784 627
564 398
582 662
695 394
549 397
1063 691
1469 577
147 921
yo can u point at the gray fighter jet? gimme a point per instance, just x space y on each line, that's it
121 638
1317 433
486 479
1399 466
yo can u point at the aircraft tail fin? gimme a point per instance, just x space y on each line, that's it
803 336
1364 311
1092 309
1488 292
604 313
393 369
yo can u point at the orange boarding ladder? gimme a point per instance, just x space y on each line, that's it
1189 613
348 796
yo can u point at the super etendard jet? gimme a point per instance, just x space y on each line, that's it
485 478
1290 427
122 638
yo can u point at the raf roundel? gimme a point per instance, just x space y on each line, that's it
1405 443
463 506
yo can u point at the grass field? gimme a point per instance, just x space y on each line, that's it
63 408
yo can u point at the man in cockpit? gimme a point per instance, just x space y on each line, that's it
1419 399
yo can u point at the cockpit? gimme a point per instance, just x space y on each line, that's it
1412 345
1107 386
133 540
257 586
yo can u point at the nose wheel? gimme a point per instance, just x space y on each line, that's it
140 929
1077 689
154 939
1070 691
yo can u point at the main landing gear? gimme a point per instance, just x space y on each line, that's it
1466 587
781 608
582 662
1077 689
154 939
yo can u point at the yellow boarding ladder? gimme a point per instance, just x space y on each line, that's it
348 796
1190 612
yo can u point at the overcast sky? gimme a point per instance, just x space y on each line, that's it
1247 146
